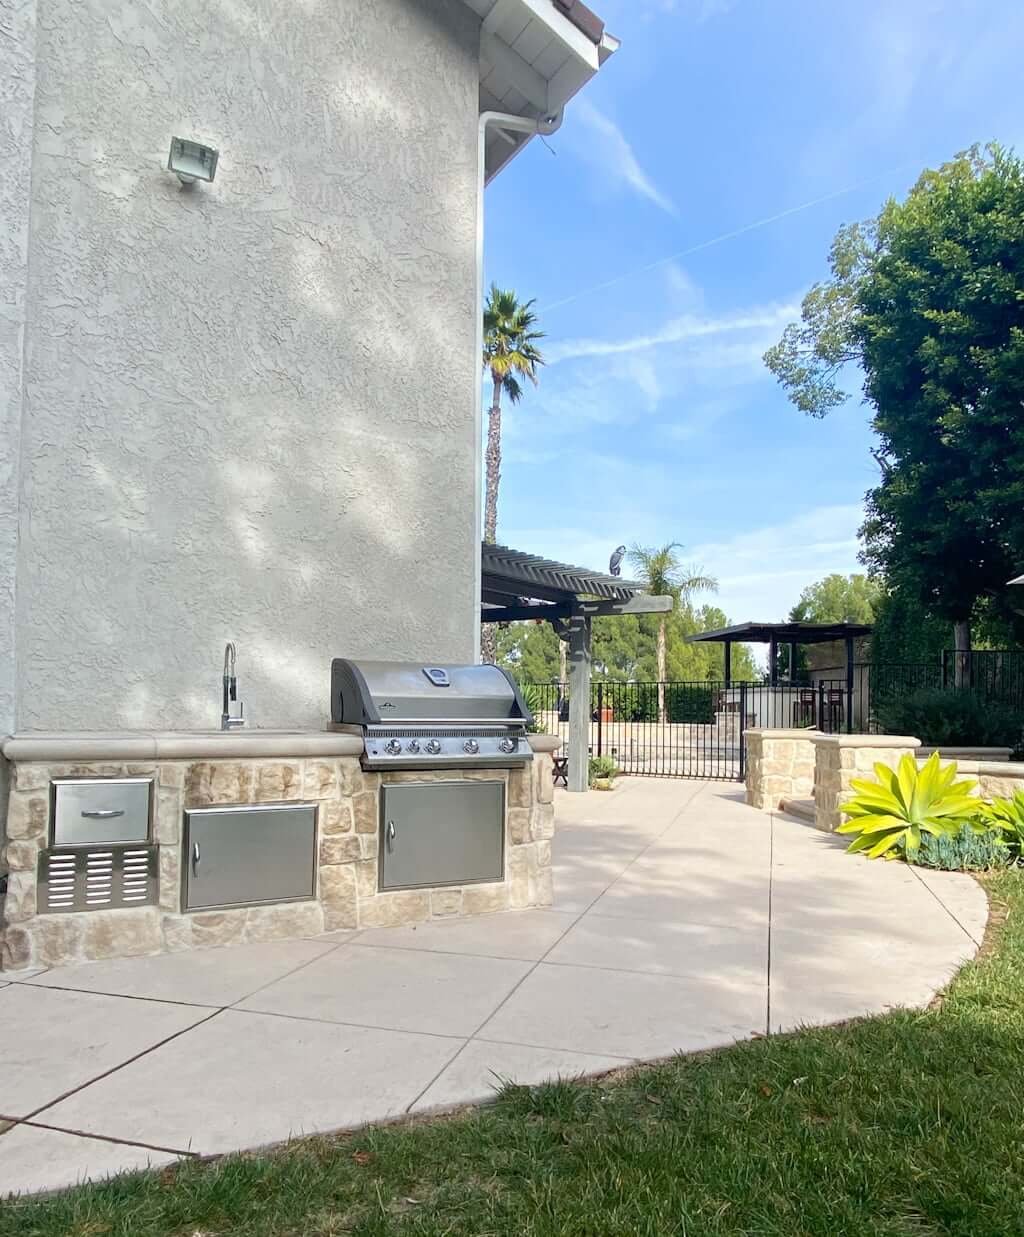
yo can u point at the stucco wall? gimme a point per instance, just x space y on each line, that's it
249 407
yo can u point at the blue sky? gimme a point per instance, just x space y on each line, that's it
655 419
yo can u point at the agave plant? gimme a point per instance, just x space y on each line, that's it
890 815
1007 815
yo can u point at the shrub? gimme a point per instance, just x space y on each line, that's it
1007 816
965 851
602 767
890 815
950 716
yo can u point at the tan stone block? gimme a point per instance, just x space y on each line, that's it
20 902
30 776
58 939
366 878
27 815
146 768
519 825
168 817
177 932
522 866
543 820
445 902
543 853
338 896
485 899
542 891
171 774
388 910
15 949
364 811
343 848
217 927
208 782
122 934
23 856
335 817
321 779
519 788
170 878
280 780
286 922
544 789
368 845
351 778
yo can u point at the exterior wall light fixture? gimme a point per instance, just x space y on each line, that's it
191 161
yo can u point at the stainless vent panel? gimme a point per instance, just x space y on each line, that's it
101 878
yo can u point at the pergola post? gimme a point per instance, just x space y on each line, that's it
578 743
849 684
792 661
773 660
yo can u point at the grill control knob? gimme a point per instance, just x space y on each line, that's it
413 746
433 747
508 745
471 746
393 747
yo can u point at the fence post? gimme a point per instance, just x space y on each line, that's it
821 704
600 718
743 726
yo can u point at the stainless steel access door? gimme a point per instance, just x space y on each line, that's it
243 856
442 833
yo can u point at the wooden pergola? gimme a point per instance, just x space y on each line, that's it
516 586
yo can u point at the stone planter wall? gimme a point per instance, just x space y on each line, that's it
839 758
780 765
967 753
347 896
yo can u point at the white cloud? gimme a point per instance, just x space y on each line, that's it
680 329
762 572
613 153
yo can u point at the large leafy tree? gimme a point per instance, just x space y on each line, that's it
510 355
928 299
834 599
662 573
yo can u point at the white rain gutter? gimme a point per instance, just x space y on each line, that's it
510 123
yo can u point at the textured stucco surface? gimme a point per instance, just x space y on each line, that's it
249 407
17 86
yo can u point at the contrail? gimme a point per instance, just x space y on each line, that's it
725 236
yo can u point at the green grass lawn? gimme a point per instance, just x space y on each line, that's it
909 1124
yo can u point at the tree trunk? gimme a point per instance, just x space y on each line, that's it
492 458
661 672
962 653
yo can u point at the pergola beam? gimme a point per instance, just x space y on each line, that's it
514 614
641 603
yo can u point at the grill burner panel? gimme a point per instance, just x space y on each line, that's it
431 717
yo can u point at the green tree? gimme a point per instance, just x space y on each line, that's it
662 573
510 353
928 299
834 599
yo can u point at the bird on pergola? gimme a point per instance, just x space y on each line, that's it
615 562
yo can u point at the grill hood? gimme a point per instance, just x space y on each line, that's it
382 693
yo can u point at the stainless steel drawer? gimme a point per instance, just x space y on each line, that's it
244 856
101 810
442 833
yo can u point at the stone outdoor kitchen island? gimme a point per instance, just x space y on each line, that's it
197 771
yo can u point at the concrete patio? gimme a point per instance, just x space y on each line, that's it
683 920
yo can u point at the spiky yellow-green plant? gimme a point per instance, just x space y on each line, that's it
889 815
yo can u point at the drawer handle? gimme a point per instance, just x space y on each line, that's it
391 833
103 813
196 858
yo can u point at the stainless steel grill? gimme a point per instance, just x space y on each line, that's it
431 717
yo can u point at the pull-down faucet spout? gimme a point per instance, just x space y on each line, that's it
228 719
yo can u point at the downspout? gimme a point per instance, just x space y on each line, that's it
511 123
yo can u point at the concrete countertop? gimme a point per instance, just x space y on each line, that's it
178 744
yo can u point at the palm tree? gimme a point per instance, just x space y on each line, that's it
510 353
659 569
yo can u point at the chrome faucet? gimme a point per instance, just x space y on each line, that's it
229 720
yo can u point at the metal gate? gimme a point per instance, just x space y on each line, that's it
671 729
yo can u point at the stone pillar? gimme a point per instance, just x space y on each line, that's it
839 758
780 765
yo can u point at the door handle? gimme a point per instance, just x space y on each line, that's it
391 833
196 858
106 813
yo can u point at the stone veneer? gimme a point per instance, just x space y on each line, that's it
839 758
348 829
779 765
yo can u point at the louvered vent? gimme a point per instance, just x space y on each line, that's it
97 878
